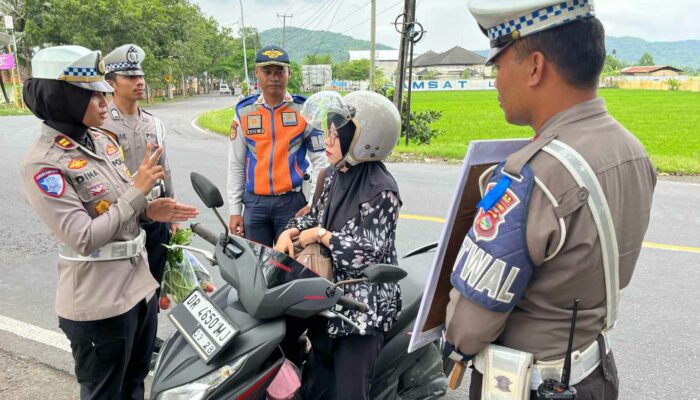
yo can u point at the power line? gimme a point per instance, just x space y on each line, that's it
312 29
340 4
379 13
327 5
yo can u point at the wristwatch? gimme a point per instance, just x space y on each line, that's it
321 233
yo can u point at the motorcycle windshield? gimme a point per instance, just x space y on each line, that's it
279 268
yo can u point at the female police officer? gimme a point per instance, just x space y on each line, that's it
75 180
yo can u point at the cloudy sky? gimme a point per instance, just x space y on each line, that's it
448 22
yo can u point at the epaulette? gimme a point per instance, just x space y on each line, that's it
247 101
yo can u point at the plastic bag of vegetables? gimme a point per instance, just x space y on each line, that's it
183 272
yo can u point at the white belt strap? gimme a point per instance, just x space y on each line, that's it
108 252
585 177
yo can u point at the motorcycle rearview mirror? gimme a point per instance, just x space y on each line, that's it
209 194
384 273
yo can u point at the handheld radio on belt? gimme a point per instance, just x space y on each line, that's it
553 389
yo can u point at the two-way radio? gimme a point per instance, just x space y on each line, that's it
552 388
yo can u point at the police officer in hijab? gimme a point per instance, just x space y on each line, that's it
75 180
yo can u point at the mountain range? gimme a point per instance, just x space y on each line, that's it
301 42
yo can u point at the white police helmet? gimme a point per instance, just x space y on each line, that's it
378 127
74 64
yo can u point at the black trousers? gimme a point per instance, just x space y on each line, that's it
112 356
601 384
157 233
338 368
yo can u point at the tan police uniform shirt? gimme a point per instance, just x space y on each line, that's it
133 134
567 252
95 205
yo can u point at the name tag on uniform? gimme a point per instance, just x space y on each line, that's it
289 119
254 125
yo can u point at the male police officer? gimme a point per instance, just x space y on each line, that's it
267 157
134 128
562 218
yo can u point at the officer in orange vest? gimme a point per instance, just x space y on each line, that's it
269 153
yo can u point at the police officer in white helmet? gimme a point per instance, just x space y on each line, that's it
354 220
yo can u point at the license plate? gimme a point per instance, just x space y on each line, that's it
205 327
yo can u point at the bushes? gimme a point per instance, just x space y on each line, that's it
421 130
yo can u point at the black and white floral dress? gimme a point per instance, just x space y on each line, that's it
364 240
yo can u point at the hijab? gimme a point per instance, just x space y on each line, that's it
354 186
60 105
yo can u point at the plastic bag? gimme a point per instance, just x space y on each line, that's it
285 384
183 272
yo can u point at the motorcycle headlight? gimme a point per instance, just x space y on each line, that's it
196 390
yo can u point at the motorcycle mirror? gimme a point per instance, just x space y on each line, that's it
207 191
384 273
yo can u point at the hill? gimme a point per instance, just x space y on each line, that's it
681 54
300 42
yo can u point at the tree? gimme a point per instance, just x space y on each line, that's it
431 74
612 66
294 84
357 70
646 59
320 59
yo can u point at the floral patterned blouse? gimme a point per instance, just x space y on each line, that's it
364 240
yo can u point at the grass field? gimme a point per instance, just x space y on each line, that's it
667 123
6 110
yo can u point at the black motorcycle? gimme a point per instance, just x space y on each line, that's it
227 346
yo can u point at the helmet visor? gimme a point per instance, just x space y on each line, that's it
327 108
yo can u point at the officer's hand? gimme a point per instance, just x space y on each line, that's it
149 171
285 243
305 210
168 210
235 225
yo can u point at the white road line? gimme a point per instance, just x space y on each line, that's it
195 126
35 333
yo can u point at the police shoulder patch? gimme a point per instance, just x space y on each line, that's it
51 182
234 130
494 266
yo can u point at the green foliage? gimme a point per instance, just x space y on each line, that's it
420 122
612 66
321 59
301 42
356 70
294 84
431 74
178 39
466 74
646 60
673 84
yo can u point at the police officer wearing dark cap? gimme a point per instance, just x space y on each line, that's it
270 148
135 128
561 219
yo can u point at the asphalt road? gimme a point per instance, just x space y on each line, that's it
655 344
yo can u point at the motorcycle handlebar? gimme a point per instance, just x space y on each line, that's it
205 233
353 305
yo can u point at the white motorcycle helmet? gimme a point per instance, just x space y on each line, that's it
377 121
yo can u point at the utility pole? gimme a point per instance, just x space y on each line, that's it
245 57
373 45
409 17
284 17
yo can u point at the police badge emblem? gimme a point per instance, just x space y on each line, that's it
289 119
51 182
486 222
254 123
234 130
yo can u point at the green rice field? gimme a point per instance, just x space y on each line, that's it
666 122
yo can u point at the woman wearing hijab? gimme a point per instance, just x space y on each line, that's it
74 178
355 219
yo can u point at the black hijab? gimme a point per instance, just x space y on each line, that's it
357 185
61 105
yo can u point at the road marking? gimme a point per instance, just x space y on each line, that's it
35 333
197 127
648 245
